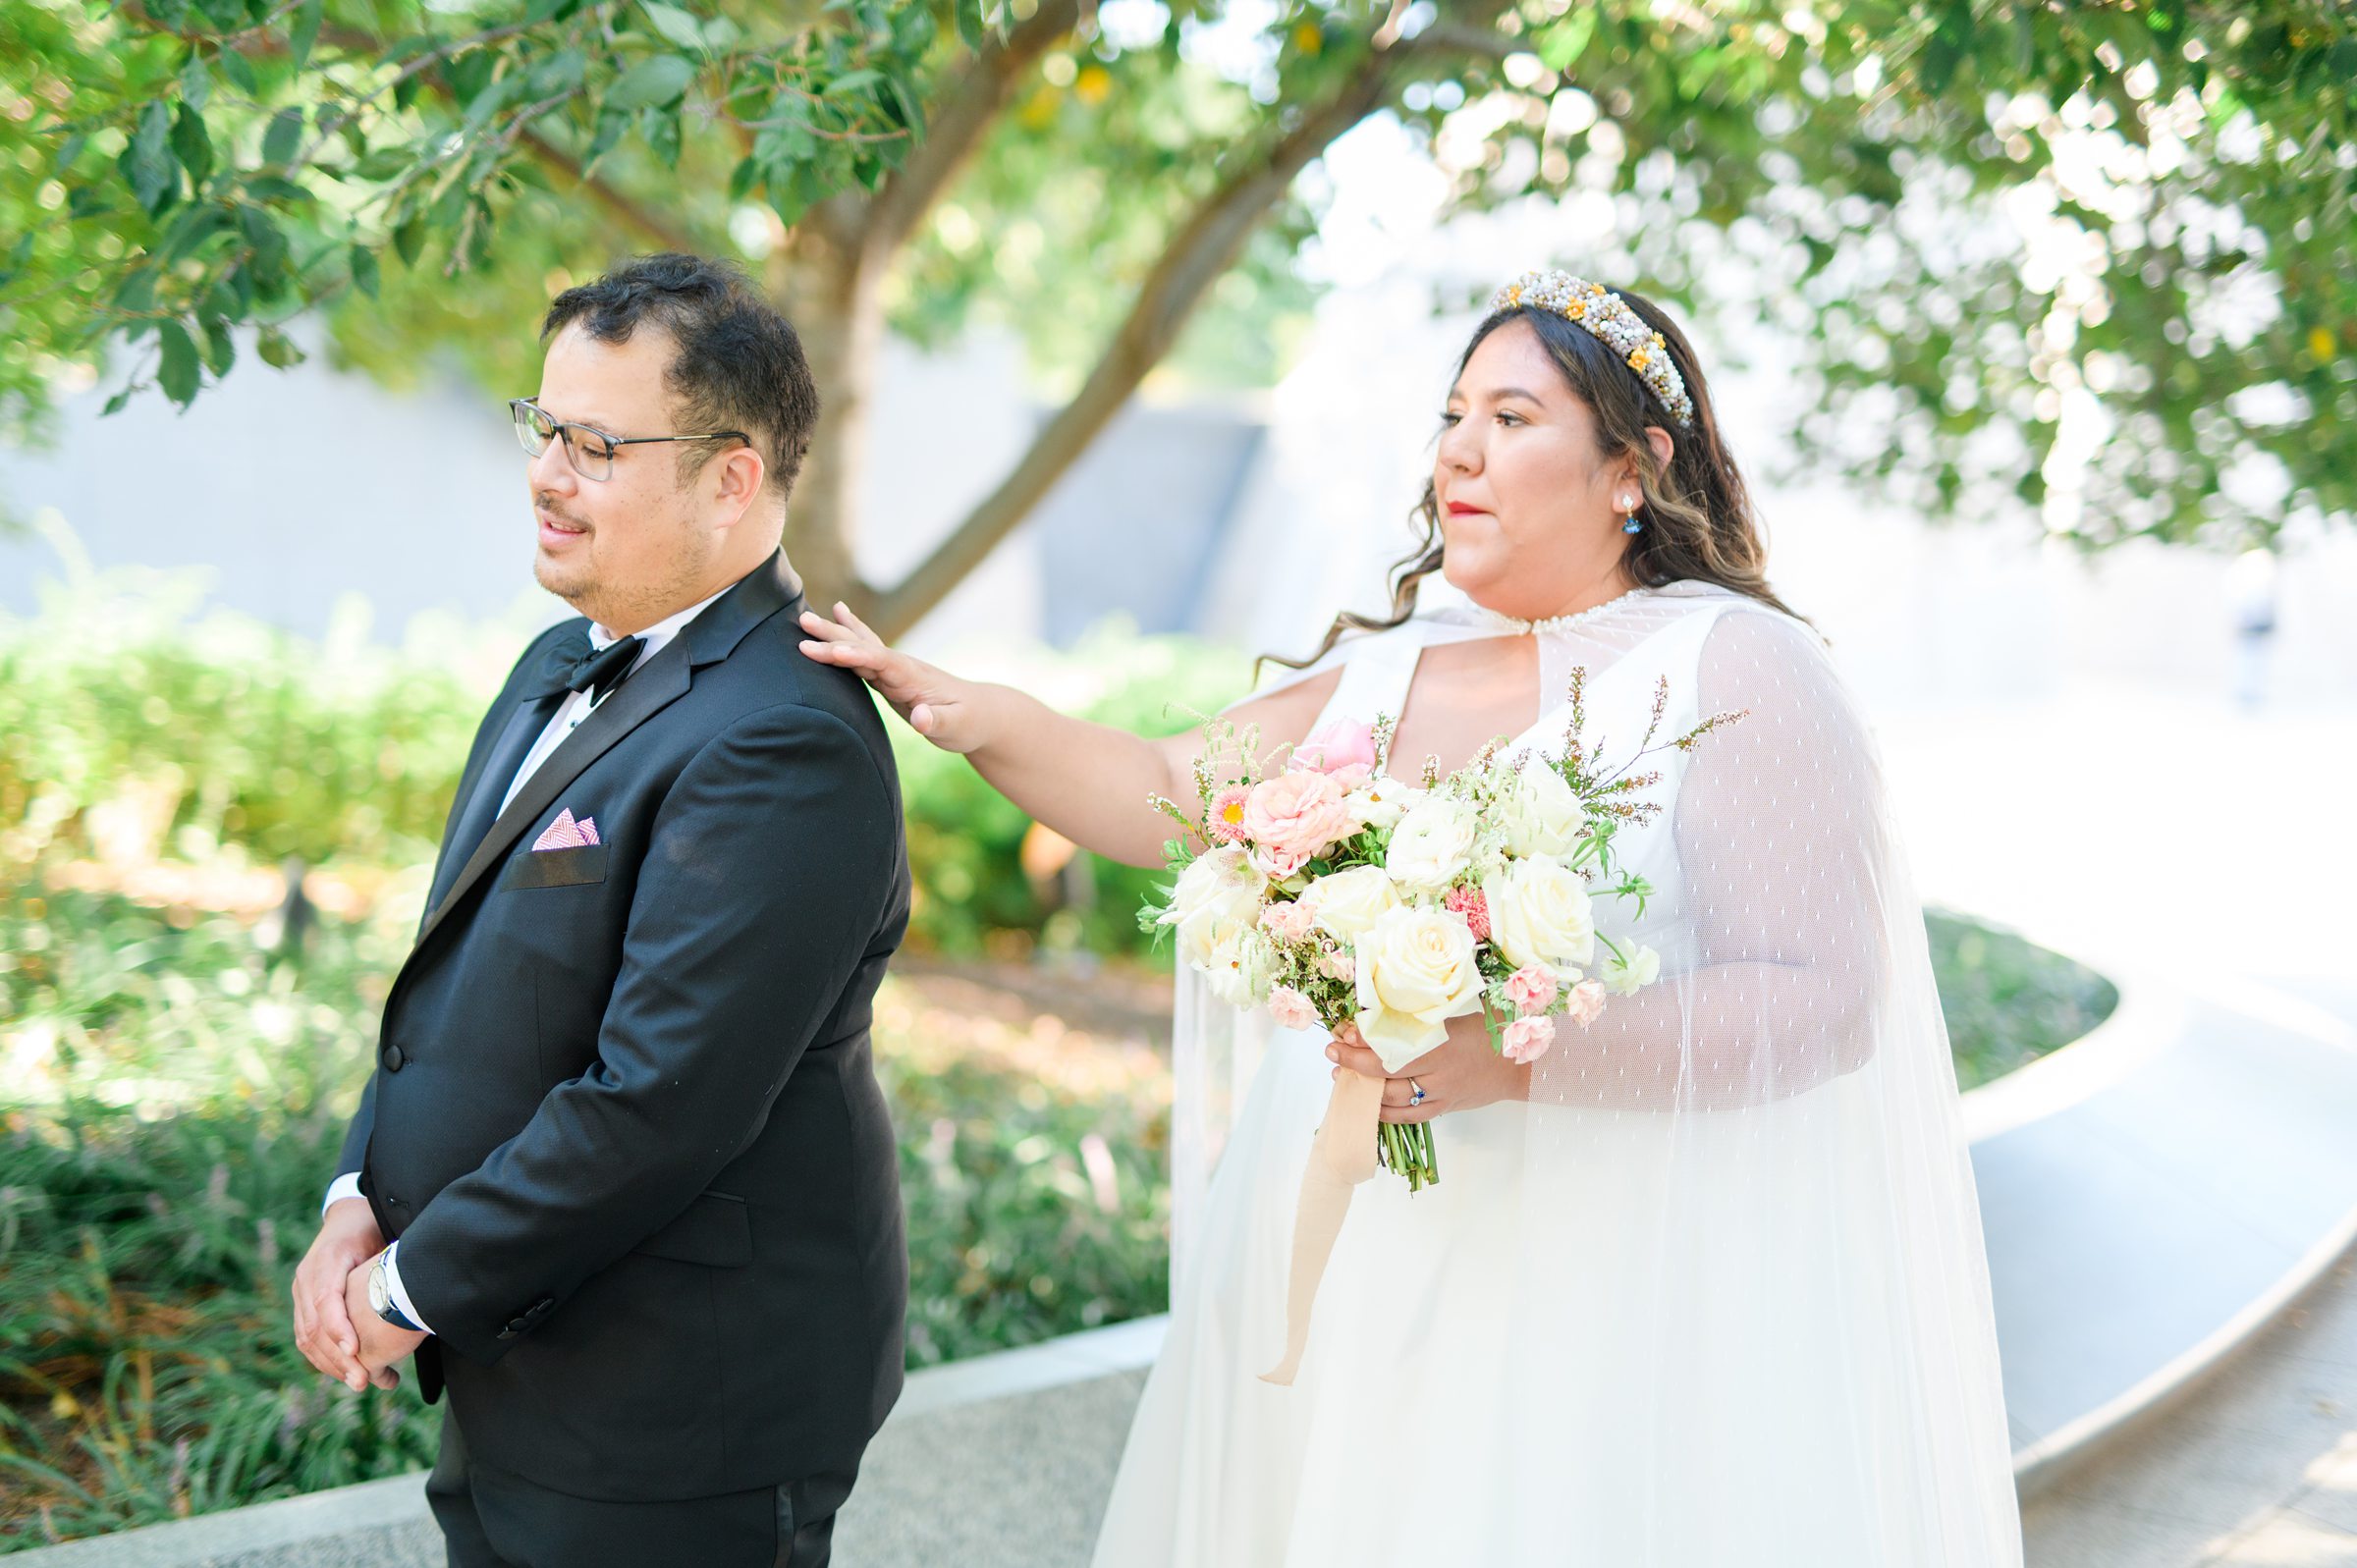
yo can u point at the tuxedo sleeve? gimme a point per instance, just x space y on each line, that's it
766 880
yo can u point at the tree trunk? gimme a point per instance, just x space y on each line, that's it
828 289
1202 249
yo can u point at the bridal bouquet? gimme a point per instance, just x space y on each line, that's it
1339 899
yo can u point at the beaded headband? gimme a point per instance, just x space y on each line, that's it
1611 323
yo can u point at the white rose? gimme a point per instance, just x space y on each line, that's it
1433 844
1540 813
1345 903
1633 967
1540 915
1380 802
1243 966
1416 971
1217 890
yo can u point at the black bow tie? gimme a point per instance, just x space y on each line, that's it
577 667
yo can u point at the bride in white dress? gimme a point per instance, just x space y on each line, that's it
1702 1287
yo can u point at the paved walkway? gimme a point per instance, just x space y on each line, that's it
2258 1466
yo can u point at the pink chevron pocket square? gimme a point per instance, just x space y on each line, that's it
567 834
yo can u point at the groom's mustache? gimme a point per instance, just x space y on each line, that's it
547 507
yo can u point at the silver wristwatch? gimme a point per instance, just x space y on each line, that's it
380 1295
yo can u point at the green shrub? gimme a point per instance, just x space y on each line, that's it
2007 1001
133 726
130 723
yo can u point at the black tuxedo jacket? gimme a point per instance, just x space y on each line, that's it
624 1120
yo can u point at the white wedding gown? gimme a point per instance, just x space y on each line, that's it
1715 1297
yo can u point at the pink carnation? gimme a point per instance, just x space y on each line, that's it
1469 904
1527 1039
1291 1008
1226 821
1587 1002
1333 747
1336 963
1531 988
1289 922
1292 817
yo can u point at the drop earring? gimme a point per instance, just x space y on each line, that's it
1632 526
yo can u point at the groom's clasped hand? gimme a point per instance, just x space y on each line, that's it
334 1326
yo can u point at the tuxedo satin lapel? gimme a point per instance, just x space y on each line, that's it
480 792
633 702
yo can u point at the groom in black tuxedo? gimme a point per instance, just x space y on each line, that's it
622 1181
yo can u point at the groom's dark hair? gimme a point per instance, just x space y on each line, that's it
737 365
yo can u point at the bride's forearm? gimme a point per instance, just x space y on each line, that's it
1088 782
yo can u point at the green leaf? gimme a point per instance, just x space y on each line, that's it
409 240
661 127
562 72
363 270
852 82
384 163
195 84
674 23
191 229
178 374
147 163
549 11
240 71
220 349
67 153
266 250
610 129
194 145
277 349
114 404
306 32
284 138
1568 39
652 83
969 22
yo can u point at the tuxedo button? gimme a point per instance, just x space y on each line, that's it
394 1058
510 1331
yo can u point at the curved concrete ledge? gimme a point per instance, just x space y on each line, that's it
2153 1196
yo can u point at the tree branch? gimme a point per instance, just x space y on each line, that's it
621 208
1203 248
967 108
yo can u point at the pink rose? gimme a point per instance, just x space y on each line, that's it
1527 1039
1291 1008
1333 747
1335 963
1587 1002
1471 906
1292 817
1227 821
1531 988
1289 922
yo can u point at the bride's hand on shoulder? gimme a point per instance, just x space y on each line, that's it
937 704
1462 1072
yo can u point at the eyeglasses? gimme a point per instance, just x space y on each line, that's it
589 449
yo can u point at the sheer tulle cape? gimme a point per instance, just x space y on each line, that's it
1750 1288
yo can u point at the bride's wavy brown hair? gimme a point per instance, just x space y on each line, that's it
1697 514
